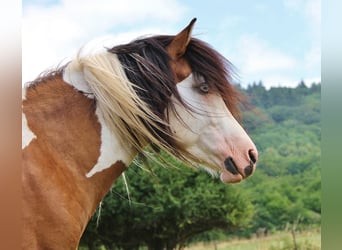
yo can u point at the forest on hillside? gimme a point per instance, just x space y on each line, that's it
171 207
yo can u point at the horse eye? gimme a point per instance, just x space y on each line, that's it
204 87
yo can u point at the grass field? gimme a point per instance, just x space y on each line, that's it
309 240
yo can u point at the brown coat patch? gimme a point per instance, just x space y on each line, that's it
58 199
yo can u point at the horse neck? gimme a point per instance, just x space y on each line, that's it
71 161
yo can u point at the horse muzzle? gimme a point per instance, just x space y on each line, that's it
236 170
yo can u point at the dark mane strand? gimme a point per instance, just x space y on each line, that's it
146 64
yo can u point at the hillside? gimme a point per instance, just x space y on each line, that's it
285 125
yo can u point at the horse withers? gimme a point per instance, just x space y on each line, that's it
84 123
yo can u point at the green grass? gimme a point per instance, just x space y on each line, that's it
309 240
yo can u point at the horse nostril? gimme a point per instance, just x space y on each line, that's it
253 156
248 170
231 166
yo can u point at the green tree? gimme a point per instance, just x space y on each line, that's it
169 209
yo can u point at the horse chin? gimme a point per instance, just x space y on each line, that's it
227 177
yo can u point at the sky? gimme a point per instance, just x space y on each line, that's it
277 42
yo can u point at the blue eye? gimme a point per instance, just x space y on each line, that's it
204 88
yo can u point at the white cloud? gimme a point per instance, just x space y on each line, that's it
311 9
258 60
313 12
313 57
51 33
293 4
286 81
279 80
283 80
258 56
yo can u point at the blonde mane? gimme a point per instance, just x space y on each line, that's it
123 111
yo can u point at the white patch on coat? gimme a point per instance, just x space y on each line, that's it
73 75
110 152
27 134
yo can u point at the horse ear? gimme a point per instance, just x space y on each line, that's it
179 44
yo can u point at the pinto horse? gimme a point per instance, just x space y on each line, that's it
84 123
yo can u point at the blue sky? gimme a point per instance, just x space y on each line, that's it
278 42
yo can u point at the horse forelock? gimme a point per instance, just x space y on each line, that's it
146 63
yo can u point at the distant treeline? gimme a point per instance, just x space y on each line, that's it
285 125
171 207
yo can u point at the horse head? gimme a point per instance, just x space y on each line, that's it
205 126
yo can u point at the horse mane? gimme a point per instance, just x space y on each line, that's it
146 62
133 85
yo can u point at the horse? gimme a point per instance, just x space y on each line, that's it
85 122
